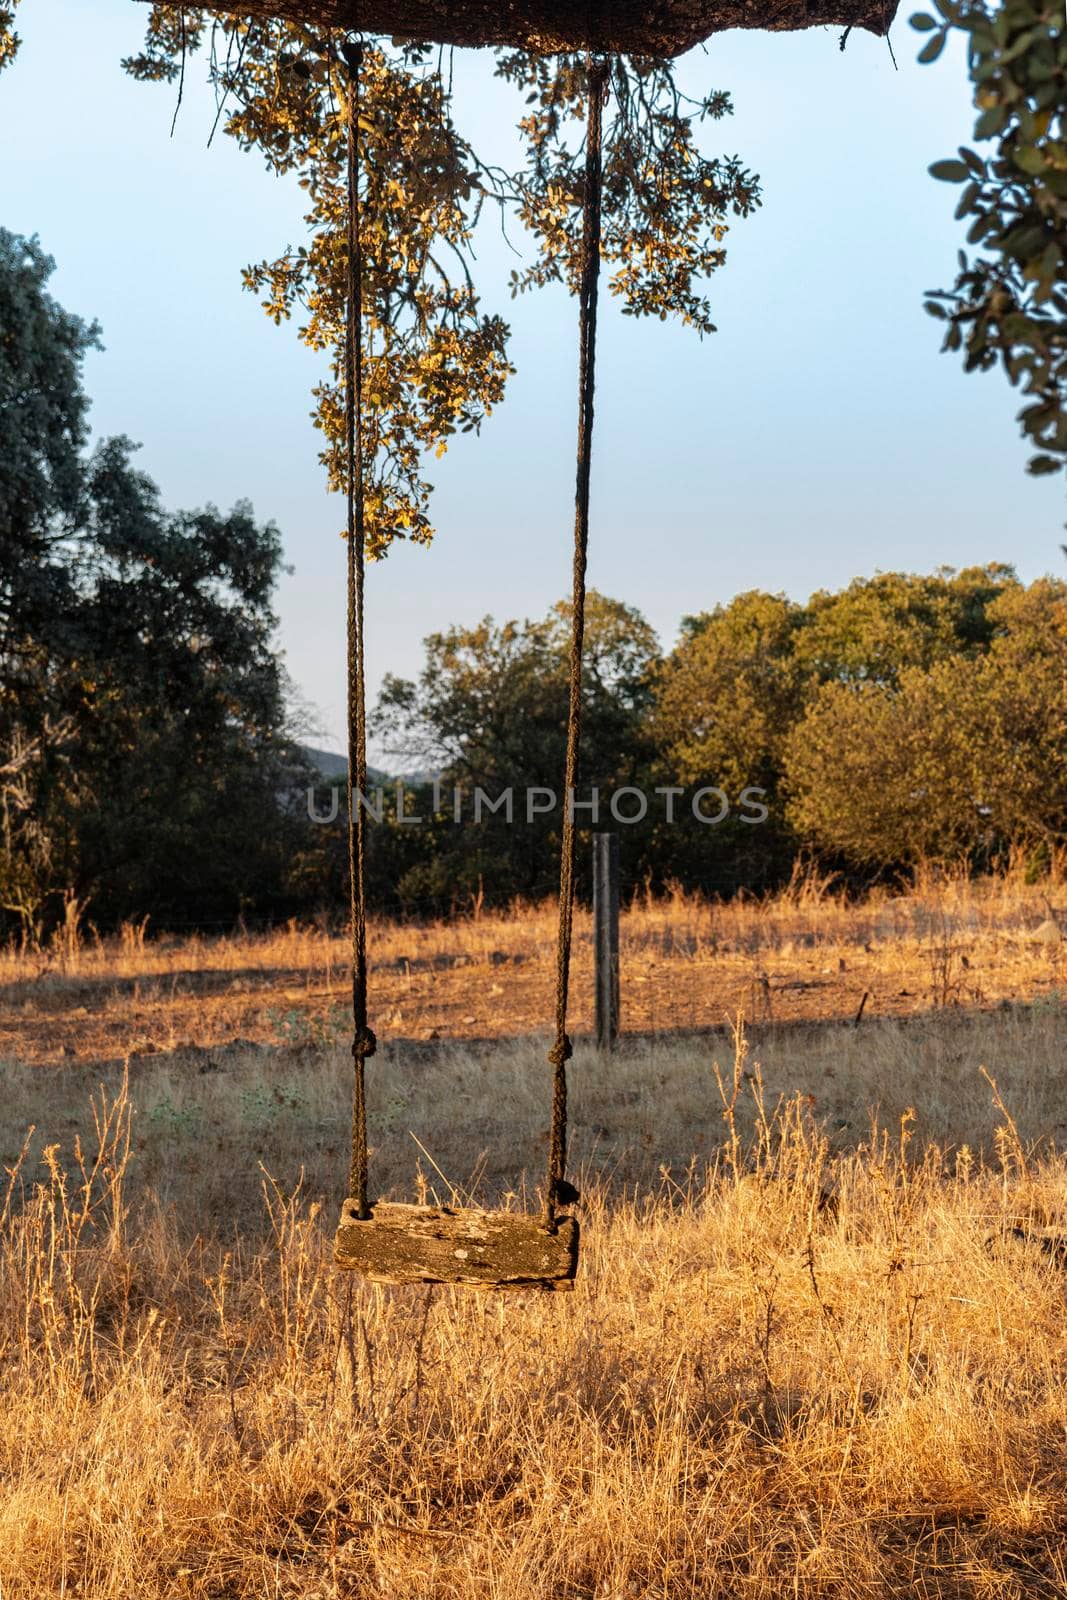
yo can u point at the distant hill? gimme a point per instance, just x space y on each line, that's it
334 765
328 762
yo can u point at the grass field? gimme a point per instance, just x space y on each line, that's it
687 966
818 1343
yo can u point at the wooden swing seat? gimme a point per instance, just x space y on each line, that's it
440 1244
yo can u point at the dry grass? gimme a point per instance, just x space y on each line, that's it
806 955
817 1347
807 1355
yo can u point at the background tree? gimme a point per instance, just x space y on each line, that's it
880 774
143 748
488 711
803 701
1022 740
726 697
43 431
1009 301
963 758
185 746
729 691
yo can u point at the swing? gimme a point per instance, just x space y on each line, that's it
404 1244
390 1242
623 27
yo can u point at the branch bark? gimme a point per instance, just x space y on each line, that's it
632 27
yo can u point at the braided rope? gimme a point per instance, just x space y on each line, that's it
363 1040
561 1050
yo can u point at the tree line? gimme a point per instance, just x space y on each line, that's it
150 762
904 719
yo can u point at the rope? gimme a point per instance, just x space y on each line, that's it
556 1188
363 1040
364 1043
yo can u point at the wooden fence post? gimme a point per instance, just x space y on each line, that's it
606 937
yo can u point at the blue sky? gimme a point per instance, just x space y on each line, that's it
818 435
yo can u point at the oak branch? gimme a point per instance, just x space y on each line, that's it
631 27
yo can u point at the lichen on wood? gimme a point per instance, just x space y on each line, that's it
442 1244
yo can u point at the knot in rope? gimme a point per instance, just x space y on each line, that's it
561 1051
364 1044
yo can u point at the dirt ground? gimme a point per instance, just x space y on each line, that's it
686 967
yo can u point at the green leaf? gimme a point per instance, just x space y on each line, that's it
922 23
1019 46
932 48
1051 258
967 199
1029 159
1040 466
1024 241
991 122
950 171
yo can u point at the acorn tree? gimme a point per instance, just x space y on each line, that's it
1008 304
436 362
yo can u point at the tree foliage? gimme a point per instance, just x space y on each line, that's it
9 39
1008 304
665 204
903 717
878 626
434 364
142 705
728 693
964 756
489 711
870 776
437 363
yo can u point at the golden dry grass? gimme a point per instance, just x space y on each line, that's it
687 964
817 1347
